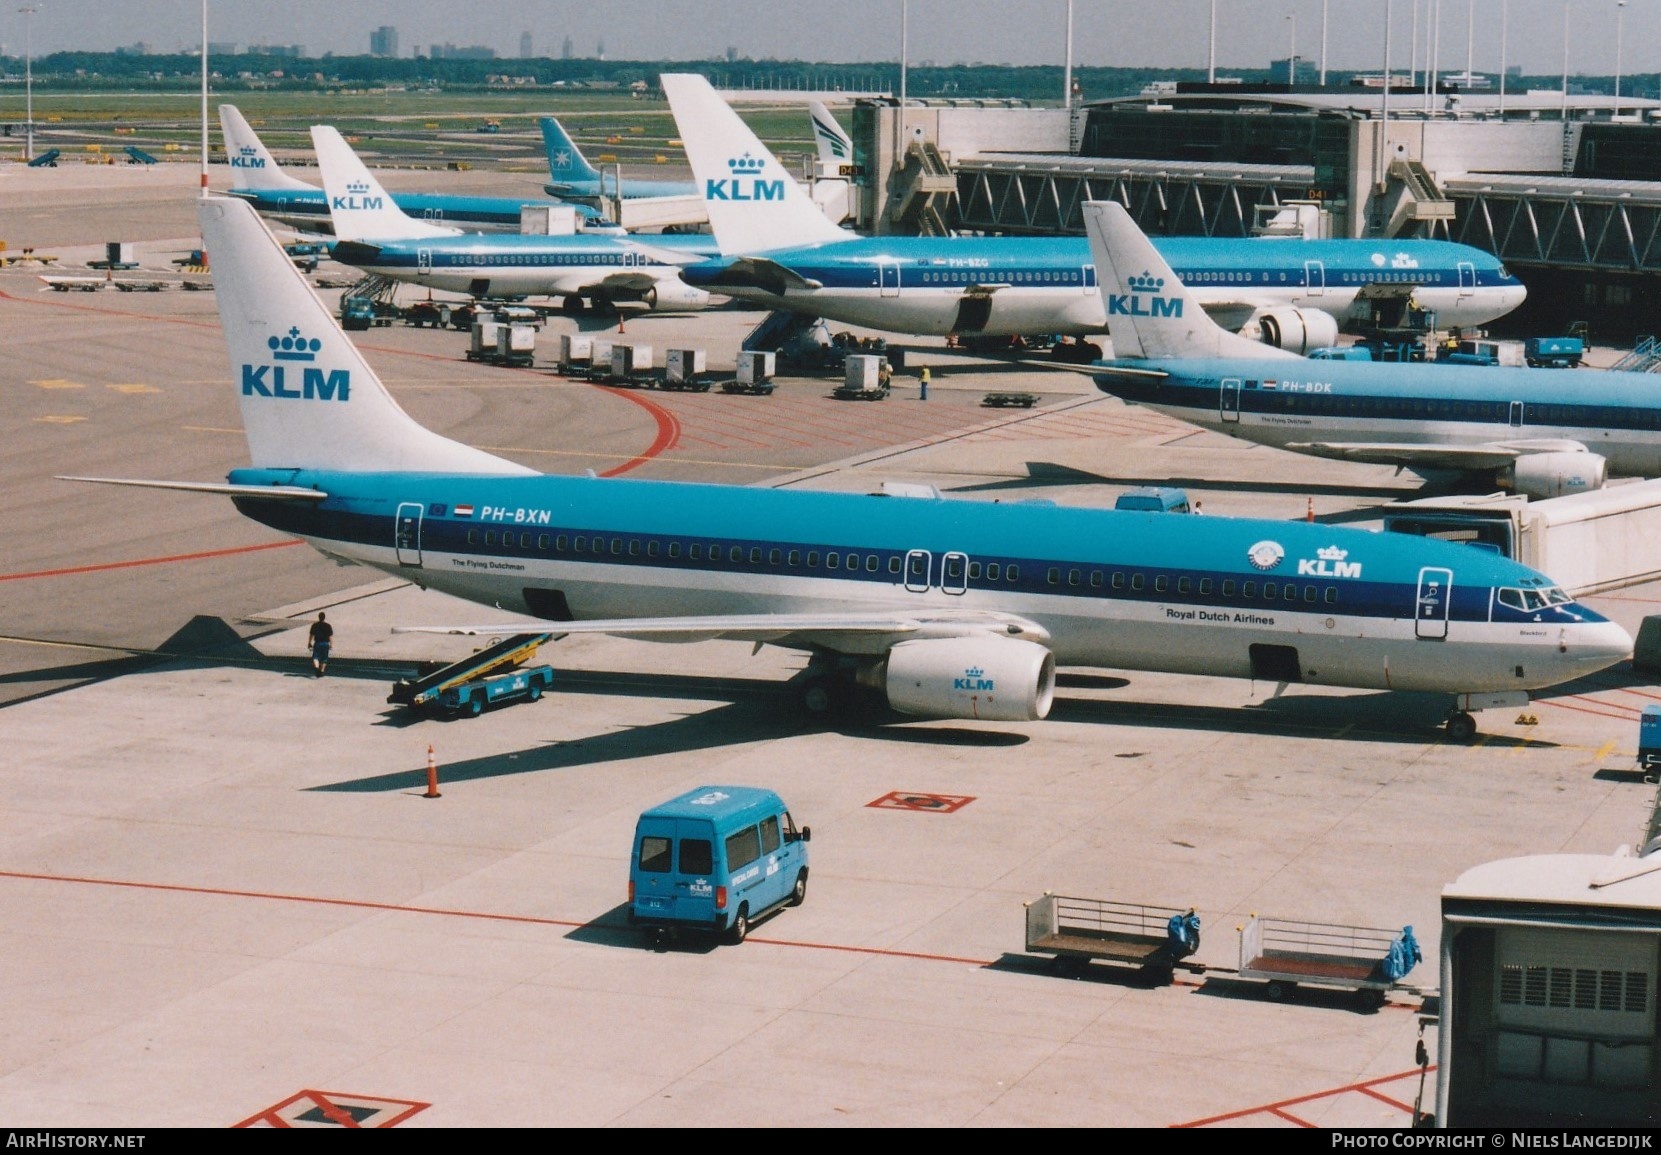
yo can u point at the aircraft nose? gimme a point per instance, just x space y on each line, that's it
1597 645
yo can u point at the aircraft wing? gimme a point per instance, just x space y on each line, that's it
1468 458
850 633
635 281
761 273
264 492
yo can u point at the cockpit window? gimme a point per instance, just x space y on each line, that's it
1528 601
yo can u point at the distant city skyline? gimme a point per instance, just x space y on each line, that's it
1107 33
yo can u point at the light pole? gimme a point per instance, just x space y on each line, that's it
1620 26
29 11
1292 52
1211 55
1565 112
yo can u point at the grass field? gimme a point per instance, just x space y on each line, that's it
416 128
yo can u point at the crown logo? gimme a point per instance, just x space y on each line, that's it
294 347
357 188
1146 283
973 672
746 165
248 150
1332 553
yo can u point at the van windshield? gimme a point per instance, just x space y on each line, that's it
696 856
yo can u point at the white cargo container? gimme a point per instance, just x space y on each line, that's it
756 367
484 336
575 349
862 372
599 354
547 220
627 360
515 344
683 365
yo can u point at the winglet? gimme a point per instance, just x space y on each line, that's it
309 399
1150 312
566 162
361 209
253 168
754 204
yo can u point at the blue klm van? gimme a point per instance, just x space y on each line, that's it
717 859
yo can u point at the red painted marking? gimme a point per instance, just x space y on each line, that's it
1630 714
324 1101
1290 1118
1280 1109
928 803
668 430
178 557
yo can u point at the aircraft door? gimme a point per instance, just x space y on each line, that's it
1228 399
954 573
888 278
1314 277
1087 278
406 534
1435 596
918 564
1516 414
423 262
1467 279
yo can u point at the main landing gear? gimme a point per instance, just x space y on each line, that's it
1461 727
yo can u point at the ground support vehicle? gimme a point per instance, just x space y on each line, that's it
1076 931
494 674
1286 953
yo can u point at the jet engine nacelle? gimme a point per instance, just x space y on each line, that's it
987 678
676 296
1296 330
1555 474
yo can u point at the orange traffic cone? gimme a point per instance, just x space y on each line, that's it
432 775
1309 514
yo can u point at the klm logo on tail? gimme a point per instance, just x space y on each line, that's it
357 199
247 157
1144 300
745 184
314 384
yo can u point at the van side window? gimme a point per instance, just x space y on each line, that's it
769 835
654 854
743 848
697 856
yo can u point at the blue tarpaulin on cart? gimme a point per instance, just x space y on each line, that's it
1183 931
1404 955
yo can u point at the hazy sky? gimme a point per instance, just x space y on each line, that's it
1159 33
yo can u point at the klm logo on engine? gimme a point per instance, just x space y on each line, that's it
357 199
1143 300
313 384
973 679
247 157
1329 563
745 184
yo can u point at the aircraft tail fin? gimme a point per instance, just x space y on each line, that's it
754 204
359 207
1150 312
309 399
565 160
836 147
253 168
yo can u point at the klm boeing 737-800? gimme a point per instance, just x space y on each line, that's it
377 237
1541 432
778 250
257 178
951 608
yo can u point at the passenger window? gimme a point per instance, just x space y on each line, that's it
1054 576
675 549
1291 592
894 564
654 854
735 554
616 546
870 563
489 537
812 559
774 557
1332 595
1137 581
1161 584
651 549
1184 585
634 547
1228 587
832 560
696 553
1309 593
1073 577
1205 587
1012 573
743 848
1118 581
795 557
769 835
1248 589
1269 590
1095 579
472 537
697 856
542 541
755 555
524 541
580 545
974 570
993 569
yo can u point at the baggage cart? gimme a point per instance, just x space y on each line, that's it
1288 954
1153 939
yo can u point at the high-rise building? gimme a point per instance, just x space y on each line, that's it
567 50
524 46
384 41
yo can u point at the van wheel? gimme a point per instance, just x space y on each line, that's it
740 929
799 893
475 705
534 691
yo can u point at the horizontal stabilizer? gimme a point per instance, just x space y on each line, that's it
262 492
